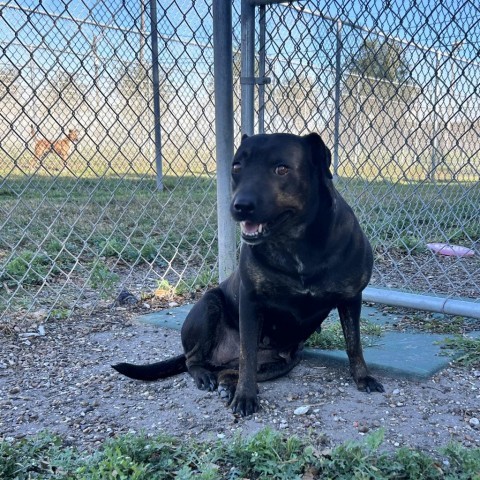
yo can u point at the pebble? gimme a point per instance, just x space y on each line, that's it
474 422
302 410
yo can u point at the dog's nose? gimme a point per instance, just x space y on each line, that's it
243 205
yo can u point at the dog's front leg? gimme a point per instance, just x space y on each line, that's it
349 312
245 401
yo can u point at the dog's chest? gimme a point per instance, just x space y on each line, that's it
300 281
290 274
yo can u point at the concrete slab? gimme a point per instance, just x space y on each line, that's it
403 355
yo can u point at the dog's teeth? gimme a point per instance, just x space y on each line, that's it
260 228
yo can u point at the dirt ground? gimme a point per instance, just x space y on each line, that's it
59 378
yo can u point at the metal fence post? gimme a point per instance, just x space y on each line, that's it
156 93
261 72
223 81
248 66
436 94
338 79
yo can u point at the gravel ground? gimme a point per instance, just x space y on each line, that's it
61 380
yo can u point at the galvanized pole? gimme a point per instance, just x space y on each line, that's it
223 84
338 79
247 78
156 93
436 94
261 72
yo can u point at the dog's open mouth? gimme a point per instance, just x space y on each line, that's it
253 231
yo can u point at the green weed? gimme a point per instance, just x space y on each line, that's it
28 268
465 349
103 279
331 335
463 462
59 313
206 278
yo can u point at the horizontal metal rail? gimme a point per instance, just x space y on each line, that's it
449 306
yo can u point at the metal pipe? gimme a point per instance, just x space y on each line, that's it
338 79
449 306
248 66
270 2
156 93
223 84
435 133
261 72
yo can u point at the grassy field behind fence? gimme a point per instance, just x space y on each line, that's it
64 221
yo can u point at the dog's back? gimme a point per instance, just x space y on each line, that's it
61 147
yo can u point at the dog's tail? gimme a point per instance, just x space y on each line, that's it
153 371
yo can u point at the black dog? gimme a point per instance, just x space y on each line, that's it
303 254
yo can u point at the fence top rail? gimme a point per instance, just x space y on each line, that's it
106 26
261 3
84 21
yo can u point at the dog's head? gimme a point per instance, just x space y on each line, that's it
279 182
73 135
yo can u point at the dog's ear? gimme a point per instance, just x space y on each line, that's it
321 155
244 136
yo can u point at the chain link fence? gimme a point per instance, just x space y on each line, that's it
80 213
392 89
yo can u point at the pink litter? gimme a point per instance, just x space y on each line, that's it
450 250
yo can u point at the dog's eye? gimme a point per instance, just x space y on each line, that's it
281 170
236 167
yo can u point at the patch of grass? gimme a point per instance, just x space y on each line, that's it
60 313
267 455
131 254
426 323
34 267
331 335
28 268
465 462
206 278
467 349
103 279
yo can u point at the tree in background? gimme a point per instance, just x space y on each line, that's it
379 97
381 60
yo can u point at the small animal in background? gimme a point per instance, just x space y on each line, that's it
61 147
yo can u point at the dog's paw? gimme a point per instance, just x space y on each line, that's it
245 405
226 392
204 379
369 384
